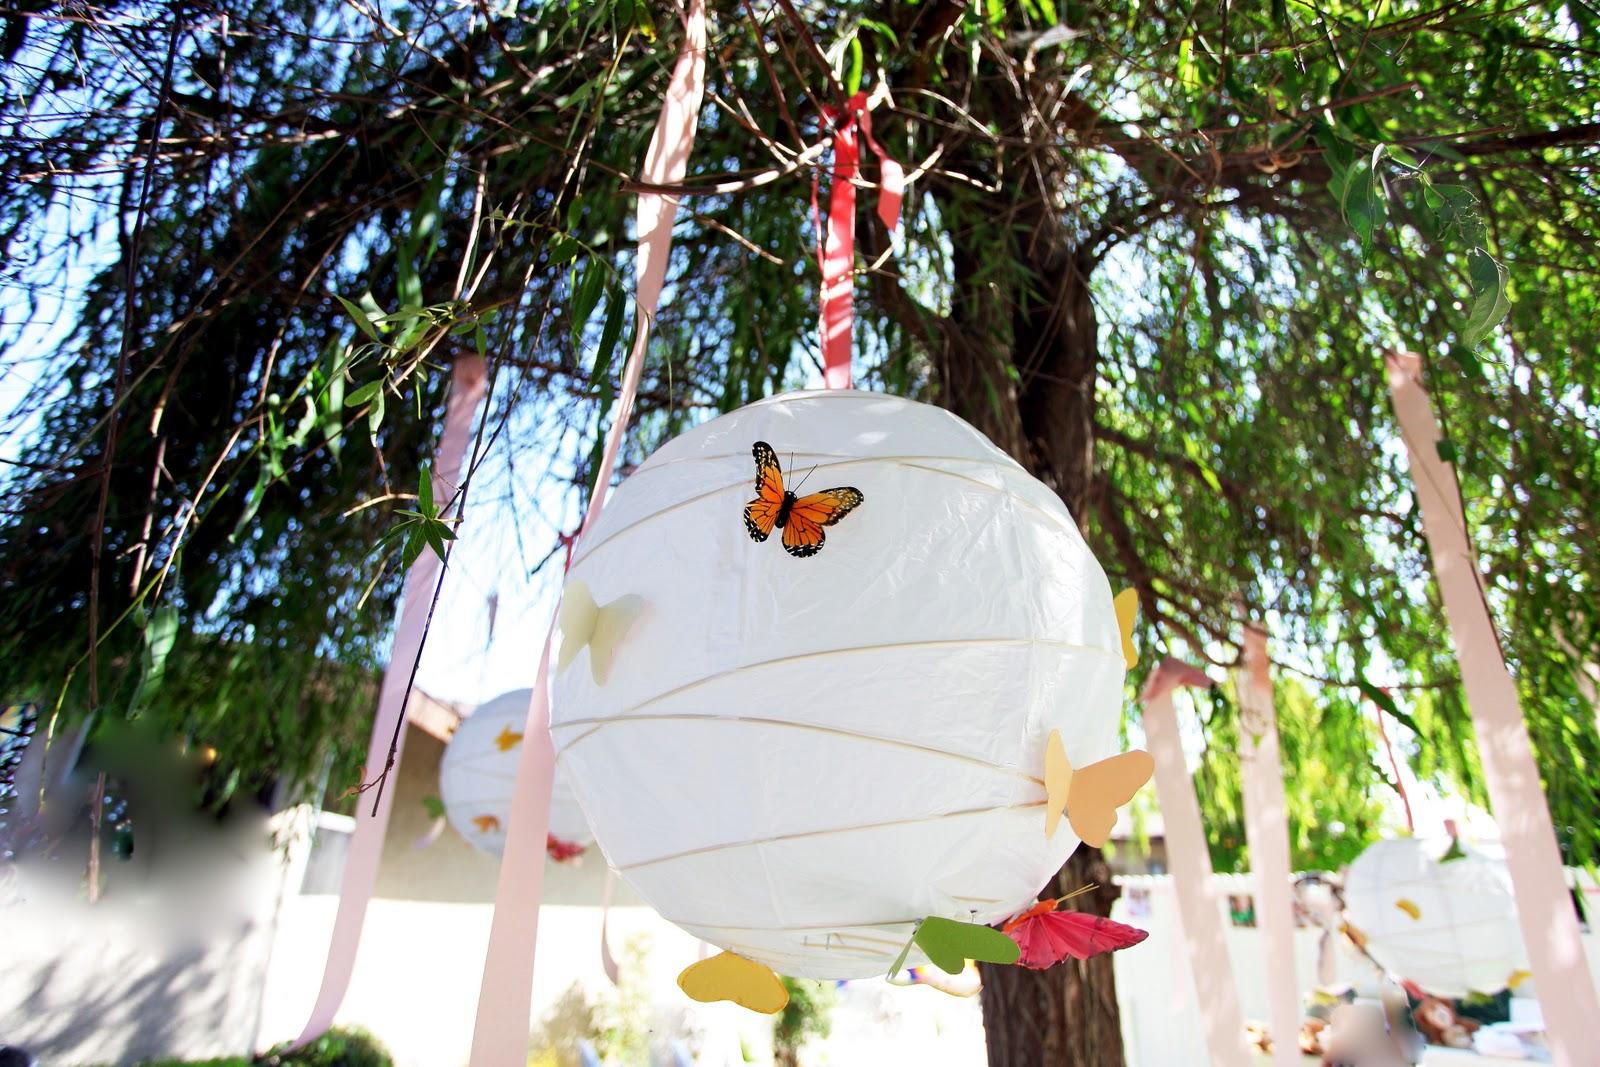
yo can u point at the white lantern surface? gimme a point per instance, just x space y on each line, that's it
1449 927
797 759
479 770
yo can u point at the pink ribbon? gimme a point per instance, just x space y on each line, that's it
837 255
1266 824
505 996
366 843
1544 906
1190 863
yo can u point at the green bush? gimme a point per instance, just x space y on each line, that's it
340 1047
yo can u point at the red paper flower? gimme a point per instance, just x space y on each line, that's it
560 850
1047 936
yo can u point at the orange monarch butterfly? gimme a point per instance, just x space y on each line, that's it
800 518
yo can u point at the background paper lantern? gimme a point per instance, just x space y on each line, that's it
797 759
478 772
1449 927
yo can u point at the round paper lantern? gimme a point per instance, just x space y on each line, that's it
478 772
797 758
1449 927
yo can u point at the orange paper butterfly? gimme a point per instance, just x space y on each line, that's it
800 518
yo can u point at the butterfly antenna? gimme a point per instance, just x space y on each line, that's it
807 475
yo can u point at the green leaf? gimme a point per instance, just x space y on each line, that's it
160 634
883 30
375 416
1489 304
562 248
363 323
363 396
1192 449
643 21
425 491
252 503
434 806
1446 449
407 285
436 539
416 541
1386 702
585 295
610 334
852 79
1361 203
950 944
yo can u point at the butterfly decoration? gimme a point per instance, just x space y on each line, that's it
561 850
950 944
600 627
801 518
1090 795
729 976
1126 605
1046 936
486 824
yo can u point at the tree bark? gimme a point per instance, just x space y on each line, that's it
1017 356
1066 1016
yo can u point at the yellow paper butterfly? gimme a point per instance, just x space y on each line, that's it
1126 604
728 976
583 622
1090 795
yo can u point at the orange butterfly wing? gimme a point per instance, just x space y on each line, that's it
761 514
802 534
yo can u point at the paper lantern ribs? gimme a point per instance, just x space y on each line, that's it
799 756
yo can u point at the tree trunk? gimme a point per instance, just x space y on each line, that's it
1066 1016
1017 356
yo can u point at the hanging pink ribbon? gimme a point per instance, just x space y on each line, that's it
366 843
1266 821
837 253
1189 860
505 996
1544 904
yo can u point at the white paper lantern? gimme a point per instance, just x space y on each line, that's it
1449 927
797 758
479 770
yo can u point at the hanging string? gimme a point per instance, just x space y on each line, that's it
1399 783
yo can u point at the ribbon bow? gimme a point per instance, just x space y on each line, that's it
836 252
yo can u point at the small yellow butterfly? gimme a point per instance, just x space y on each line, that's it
1090 795
507 740
486 823
601 628
728 976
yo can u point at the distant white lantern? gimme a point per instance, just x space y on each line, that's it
478 772
797 758
1449 927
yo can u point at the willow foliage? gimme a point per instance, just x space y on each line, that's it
1155 251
